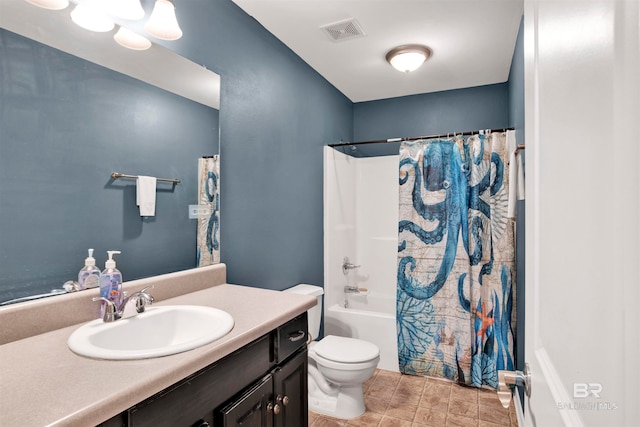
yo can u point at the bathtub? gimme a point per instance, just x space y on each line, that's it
371 318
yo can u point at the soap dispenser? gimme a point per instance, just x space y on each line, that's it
111 281
89 276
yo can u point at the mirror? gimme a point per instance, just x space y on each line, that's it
75 107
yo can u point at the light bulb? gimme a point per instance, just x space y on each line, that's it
91 19
50 4
407 62
162 23
130 40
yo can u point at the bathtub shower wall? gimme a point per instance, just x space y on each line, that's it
361 222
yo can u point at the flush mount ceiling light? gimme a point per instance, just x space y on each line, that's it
50 4
162 23
408 57
89 18
127 38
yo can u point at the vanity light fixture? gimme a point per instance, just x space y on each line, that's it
101 15
50 4
127 38
92 19
162 23
409 57
130 10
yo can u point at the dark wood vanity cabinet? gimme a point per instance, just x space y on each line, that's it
277 400
262 384
290 390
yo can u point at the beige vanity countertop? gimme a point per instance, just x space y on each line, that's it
42 382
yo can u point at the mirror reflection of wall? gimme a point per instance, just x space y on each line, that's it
65 125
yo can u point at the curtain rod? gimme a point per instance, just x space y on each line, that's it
415 138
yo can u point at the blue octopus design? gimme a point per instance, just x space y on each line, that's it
213 225
443 167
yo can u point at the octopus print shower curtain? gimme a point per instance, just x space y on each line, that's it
208 236
456 259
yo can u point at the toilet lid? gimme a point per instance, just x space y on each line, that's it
346 350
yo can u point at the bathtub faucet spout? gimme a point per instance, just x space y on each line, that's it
354 290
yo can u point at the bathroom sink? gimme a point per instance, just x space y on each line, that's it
159 331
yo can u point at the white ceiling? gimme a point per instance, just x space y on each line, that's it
472 41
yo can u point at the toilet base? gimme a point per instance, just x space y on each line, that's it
347 403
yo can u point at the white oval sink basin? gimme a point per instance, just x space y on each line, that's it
159 331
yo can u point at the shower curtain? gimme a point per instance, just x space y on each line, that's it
208 236
456 259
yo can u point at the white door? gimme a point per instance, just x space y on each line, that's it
582 80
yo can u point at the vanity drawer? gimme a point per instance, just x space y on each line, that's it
291 336
195 397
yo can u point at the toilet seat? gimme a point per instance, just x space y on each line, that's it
346 350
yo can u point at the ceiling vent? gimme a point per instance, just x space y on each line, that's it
343 30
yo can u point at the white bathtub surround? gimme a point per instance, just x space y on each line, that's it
367 324
361 222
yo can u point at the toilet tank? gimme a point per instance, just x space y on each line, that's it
314 313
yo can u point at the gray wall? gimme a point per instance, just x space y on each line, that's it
516 86
458 110
482 107
65 125
276 115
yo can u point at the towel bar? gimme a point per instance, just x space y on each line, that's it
116 175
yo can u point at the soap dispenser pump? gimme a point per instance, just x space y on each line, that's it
111 281
89 276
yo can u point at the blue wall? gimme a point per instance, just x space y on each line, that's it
65 125
461 110
516 86
276 115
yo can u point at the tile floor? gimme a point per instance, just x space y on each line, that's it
396 400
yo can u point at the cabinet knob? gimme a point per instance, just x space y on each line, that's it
273 408
283 399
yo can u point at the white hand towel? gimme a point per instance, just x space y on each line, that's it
513 184
520 177
146 195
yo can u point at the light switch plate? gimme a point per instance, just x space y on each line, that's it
196 211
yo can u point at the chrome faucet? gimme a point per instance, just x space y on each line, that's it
113 312
351 290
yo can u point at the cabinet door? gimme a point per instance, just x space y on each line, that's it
290 390
251 409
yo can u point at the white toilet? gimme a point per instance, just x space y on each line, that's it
337 366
